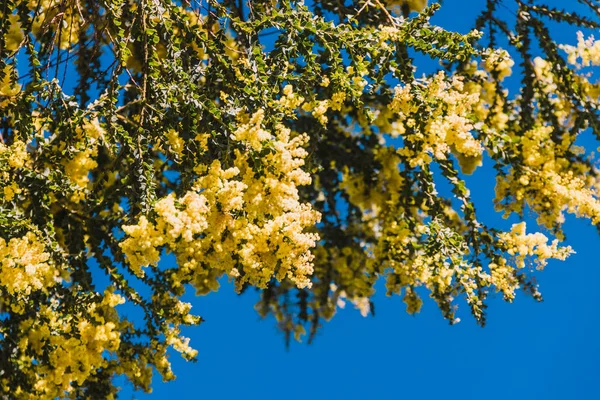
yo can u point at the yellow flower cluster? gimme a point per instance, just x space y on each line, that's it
563 108
436 270
180 343
181 311
8 85
355 75
239 221
252 132
175 142
141 245
490 110
387 222
548 181
25 266
290 100
521 245
11 190
15 155
429 269
61 350
440 270
585 54
14 35
318 109
78 167
448 127
500 63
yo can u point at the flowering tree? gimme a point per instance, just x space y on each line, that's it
288 147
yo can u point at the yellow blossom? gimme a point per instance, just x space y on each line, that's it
234 221
9 86
14 35
25 265
11 190
585 54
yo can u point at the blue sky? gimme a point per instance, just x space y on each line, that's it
528 350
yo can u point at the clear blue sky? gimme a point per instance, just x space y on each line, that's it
528 350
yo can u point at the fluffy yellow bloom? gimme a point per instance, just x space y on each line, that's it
79 167
235 221
11 190
202 141
180 343
522 245
412 300
290 100
26 266
503 277
72 349
93 130
337 100
585 54
14 35
15 155
499 62
175 142
140 246
448 128
9 86
548 182
318 109
489 110
252 131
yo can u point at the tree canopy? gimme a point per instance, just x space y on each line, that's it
286 146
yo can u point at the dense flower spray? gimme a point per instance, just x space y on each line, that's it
189 151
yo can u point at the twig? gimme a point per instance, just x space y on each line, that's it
367 3
386 12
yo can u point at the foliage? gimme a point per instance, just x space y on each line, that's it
289 147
